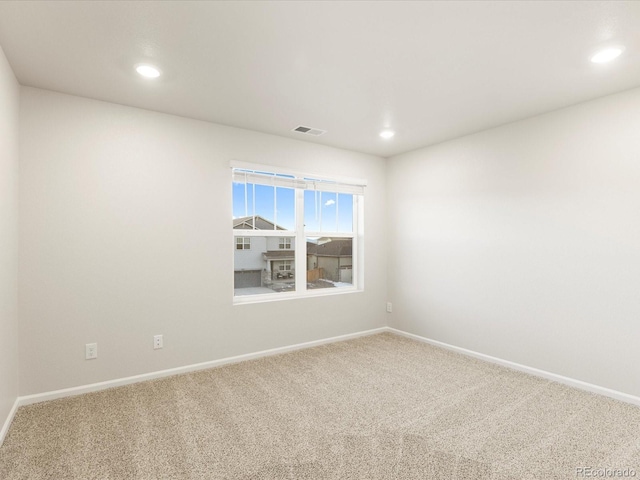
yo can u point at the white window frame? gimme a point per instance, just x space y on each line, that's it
300 236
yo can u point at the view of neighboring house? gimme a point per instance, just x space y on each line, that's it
246 223
262 261
333 257
269 262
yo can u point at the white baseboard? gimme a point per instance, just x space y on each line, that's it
94 387
7 422
572 382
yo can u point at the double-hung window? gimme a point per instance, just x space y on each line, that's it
295 234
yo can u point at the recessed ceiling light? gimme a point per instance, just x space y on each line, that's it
148 71
607 54
387 134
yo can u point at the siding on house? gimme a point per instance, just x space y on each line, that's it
251 259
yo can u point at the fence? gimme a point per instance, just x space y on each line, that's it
315 274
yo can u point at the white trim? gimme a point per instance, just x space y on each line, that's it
297 173
572 382
240 232
7 422
300 250
330 234
94 387
277 297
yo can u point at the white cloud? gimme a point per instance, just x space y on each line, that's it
329 202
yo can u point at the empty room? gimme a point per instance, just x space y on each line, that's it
319 240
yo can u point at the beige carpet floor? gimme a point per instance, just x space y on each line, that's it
379 407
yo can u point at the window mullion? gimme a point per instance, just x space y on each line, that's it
264 233
357 260
301 244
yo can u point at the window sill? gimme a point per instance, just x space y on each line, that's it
278 297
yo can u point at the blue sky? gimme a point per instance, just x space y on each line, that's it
324 211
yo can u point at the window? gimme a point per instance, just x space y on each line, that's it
305 234
284 244
285 265
243 243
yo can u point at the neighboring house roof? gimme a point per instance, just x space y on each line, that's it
334 248
279 255
246 223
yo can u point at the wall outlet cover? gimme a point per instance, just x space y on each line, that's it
90 351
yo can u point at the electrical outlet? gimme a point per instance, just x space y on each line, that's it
157 342
389 307
90 351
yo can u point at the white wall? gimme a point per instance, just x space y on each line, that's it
523 242
9 109
126 232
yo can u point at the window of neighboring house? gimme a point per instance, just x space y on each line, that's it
285 265
284 244
298 223
243 243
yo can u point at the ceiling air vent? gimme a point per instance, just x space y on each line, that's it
316 132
